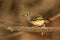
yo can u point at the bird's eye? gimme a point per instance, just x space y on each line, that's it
38 18
35 17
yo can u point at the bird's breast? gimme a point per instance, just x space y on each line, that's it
38 22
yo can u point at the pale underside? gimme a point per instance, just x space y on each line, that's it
38 22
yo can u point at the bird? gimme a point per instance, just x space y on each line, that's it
37 20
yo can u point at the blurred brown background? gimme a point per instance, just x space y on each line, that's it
11 12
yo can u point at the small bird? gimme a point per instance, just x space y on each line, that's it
38 21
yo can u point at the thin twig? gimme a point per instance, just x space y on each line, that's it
11 35
55 17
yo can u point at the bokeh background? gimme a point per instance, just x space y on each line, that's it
12 11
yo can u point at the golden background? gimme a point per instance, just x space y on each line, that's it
12 11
